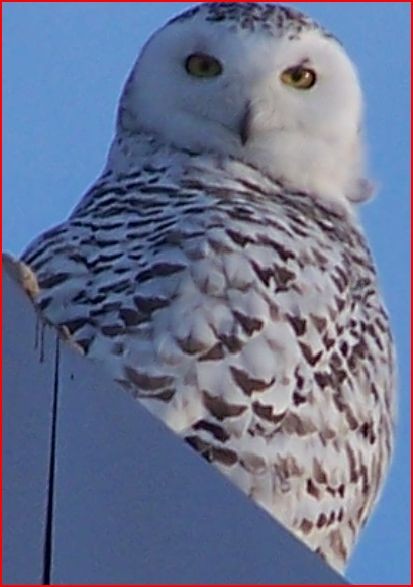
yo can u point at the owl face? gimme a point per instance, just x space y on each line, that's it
286 100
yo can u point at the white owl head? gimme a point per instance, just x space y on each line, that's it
257 82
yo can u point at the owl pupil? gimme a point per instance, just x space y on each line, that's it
296 75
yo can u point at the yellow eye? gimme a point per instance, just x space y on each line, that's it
299 77
201 65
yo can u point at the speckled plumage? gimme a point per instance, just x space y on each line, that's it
242 311
272 19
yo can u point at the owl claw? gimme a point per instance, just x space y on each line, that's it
25 278
65 334
22 274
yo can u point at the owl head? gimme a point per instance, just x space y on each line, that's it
259 83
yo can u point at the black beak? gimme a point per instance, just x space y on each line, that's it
245 125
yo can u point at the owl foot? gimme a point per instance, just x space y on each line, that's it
65 335
25 278
21 274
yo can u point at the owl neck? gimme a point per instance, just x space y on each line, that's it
132 152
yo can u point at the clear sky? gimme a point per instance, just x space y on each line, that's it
64 66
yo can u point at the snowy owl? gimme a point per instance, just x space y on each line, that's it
217 268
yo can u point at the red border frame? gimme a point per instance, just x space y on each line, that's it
1 346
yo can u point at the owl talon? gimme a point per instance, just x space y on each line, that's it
65 334
25 278
21 274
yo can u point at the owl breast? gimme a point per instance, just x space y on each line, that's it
247 318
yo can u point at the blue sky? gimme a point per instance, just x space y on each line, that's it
64 66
